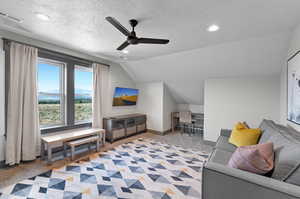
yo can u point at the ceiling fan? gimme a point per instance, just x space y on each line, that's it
131 36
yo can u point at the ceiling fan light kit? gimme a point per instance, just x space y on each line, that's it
132 39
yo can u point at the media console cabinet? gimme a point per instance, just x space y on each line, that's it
124 125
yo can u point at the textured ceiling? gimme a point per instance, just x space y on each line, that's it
80 24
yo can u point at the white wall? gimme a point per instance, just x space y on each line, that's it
118 78
194 108
169 106
151 103
230 100
183 107
2 101
293 48
156 101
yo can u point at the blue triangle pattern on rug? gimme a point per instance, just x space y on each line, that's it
88 178
57 183
106 190
21 189
114 174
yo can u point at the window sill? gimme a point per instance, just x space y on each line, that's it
63 128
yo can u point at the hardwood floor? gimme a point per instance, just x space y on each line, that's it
14 174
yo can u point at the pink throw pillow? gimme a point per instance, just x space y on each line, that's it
257 159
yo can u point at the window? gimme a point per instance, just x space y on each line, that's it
51 92
83 83
64 92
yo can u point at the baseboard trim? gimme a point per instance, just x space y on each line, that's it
159 132
154 131
210 143
167 131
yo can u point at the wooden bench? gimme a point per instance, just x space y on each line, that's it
53 140
75 143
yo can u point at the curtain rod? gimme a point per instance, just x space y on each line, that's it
45 50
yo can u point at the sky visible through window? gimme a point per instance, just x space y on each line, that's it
49 79
83 82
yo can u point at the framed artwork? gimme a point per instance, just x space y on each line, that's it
293 89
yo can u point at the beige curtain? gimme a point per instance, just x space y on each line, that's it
101 78
23 134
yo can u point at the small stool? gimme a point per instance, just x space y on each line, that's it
82 141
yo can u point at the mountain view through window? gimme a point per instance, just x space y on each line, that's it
51 93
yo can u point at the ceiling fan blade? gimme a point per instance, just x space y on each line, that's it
123 45
153 41
119 26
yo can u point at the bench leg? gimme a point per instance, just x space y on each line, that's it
65 150
72 152
103 139
42 150
49 150
98 145
89 147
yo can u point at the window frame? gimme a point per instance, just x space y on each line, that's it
70 62
62 90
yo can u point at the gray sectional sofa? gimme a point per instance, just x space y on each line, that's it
222 182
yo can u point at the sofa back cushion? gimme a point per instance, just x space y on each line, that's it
287 155
294 175
289 131
268 128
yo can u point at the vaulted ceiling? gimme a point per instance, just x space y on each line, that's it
252 39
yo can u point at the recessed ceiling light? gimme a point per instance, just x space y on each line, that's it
213 28
42 16
125 51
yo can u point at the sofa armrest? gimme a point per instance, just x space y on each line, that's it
225 132
222 182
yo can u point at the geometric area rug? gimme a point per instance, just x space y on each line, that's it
140 169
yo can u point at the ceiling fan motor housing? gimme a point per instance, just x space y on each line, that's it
132 38
133 22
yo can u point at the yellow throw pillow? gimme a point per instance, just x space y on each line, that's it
244 137
240 126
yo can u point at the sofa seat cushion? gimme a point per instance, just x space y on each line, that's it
220 156
223 143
